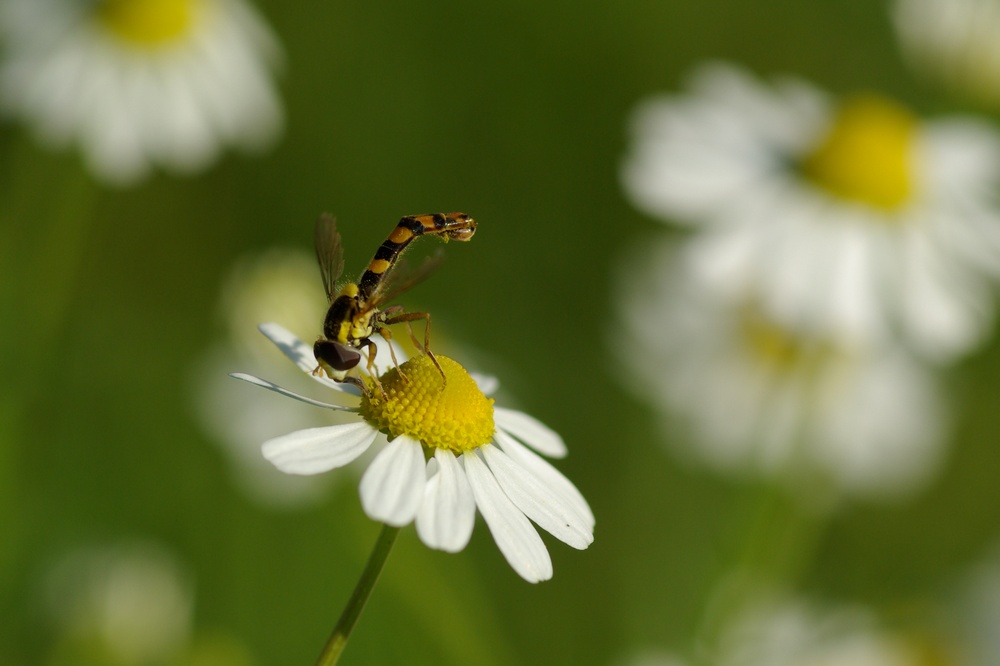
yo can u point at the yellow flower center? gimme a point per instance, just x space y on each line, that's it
867 155
779 349
147 22
453 415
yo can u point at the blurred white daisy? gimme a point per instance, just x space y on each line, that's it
790 631
759 397
129 604
141 82
132 602
276 284
793 632
976 612
954 42
443 452
852 219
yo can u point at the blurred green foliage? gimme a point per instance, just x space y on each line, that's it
516 113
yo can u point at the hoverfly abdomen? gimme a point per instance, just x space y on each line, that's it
449 226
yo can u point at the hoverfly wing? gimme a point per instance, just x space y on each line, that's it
329 253
403 277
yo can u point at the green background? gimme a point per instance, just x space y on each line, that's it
516 113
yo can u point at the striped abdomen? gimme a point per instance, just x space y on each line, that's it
449 226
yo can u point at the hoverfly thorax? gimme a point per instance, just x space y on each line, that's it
340 324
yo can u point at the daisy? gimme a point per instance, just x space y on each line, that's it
955 43
792 632
854 218
141 82
760 397
129 603
976 611
276 284
132 599
444 451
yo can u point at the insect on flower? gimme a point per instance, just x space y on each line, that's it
354 314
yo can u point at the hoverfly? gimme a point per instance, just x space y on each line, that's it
354 314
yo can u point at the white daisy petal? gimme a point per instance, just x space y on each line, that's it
392 487
546 473
448 512
531 431
263 383
513 533
299 352
954 44
488 384
546 507
319 450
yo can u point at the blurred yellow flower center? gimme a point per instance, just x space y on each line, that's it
867 155
778 348
455 416
147 22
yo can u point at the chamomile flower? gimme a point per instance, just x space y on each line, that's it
955 43
444 450
758 397
976 611
129 604
279 284
792 632
851 218
130 601
780 630
141 82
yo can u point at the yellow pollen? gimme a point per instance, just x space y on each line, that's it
454 416
147 23
867 155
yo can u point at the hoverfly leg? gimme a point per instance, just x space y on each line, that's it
372 351
413 338
413 316
367 392
390 312
387 336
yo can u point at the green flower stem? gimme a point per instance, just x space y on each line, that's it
352 611
46 216
776 548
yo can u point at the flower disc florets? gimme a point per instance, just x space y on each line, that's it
452 415
868 154
147 22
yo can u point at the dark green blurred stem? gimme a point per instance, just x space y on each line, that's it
774 551
780 543
352 611
46 213
46 217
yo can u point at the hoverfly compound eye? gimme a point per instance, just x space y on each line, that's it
336 355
